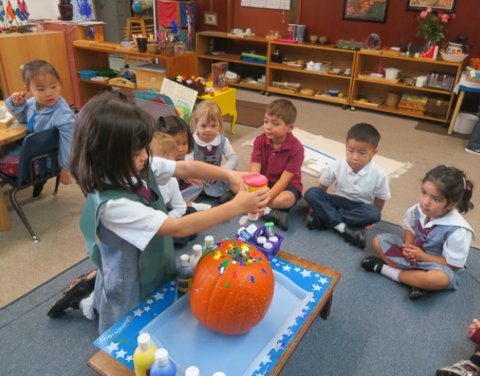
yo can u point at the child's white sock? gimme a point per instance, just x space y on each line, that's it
340 227
199 206
390 272
86 305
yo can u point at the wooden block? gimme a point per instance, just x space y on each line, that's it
7 120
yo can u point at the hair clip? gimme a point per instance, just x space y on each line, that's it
464 182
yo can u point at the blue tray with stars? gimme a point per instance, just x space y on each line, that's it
167 317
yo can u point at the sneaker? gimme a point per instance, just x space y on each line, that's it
461 368
472 151
313 222
355 236
80 288
416 293
277 216
372 264
37 189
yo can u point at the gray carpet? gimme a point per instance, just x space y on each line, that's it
373 329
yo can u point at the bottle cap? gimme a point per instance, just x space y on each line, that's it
192 371
208 241
143 341
197 249
267 245
261 240
255 180
161 356
273 239
184 259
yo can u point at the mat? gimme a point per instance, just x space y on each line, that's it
321 151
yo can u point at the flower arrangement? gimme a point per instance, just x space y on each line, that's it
433 26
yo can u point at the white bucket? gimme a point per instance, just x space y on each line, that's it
465 123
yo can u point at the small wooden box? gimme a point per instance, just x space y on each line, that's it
437 107
150 76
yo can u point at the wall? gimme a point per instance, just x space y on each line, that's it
325 17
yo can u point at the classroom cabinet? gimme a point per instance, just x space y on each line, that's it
17 49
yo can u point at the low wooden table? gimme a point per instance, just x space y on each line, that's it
105 365
8 135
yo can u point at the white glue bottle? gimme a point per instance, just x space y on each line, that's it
207 242
196 254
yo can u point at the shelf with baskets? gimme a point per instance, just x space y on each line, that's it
95 57
311 71
420 88
246 56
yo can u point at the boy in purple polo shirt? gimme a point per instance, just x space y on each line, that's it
278 155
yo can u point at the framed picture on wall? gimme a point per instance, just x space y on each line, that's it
365 10
210 18
418 5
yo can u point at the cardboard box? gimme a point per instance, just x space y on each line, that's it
250 113
150 76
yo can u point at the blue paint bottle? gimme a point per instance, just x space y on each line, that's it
162 366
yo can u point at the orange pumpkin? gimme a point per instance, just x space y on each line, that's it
232 287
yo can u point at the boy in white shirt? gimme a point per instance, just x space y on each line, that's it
361 189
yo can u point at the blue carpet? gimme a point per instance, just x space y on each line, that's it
373 329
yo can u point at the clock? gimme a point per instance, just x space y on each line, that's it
374 42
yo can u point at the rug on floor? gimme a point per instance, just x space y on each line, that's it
321 151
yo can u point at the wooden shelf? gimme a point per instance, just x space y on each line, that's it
91 55
364 86
355 85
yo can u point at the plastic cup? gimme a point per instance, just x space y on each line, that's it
142 44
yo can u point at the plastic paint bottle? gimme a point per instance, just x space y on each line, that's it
192 371
185 273
254 182
196 254
207 242
162 366
144 355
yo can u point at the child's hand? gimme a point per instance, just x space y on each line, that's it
252 201
65 177
18 98
474 326
411 253
196 182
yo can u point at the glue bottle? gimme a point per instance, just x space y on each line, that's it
192 371
269 229
163 366
144 355
196 254
185 273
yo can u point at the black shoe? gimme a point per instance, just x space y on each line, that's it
416 293
313 222
277 216
37 189
355 236
79 289
372 264
226 196
472 151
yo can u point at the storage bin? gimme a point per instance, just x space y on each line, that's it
465 123
150 76
437 107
